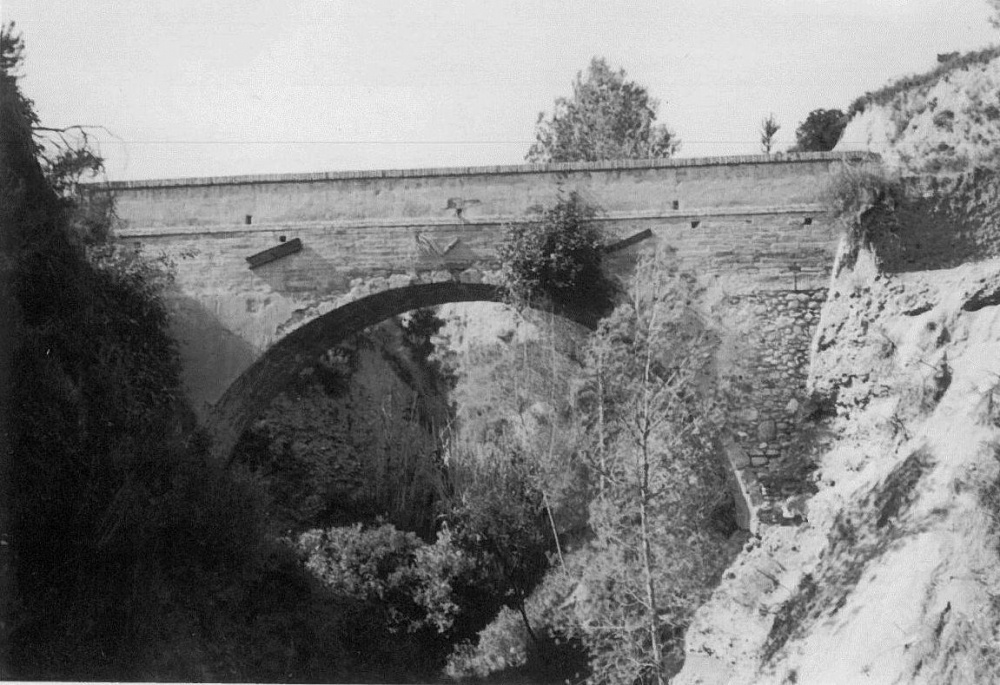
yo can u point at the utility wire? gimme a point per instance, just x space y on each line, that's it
397 142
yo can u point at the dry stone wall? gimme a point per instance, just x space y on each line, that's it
767 368
773 374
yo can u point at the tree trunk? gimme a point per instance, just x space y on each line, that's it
527 623
647 563
519 592
602 484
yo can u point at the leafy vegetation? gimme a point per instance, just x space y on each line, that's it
653 460
858 188
821 131
131 555
558 260
888 93
575 510
606 118
111 501
641 430
769 127
500 518
865 197
409 581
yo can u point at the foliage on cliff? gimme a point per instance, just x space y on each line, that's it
945 120
865 199
606 118
110 503
558 260
128 554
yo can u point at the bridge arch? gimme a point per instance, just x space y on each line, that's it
251 393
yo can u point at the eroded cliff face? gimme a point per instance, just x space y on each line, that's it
895 575
944 121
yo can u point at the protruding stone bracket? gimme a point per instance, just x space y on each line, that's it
628 242
274 253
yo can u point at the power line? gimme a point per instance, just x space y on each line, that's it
398 142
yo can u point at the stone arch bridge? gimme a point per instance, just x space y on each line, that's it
271 270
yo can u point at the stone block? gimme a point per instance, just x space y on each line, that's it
739 458
767 430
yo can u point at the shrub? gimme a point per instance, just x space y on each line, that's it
502 645
409 578
865 198
559 260
858 188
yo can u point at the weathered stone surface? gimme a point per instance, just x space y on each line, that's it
767 430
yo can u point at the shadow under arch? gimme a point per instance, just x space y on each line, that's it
256 387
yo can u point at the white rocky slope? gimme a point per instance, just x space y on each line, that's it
895 576
947 120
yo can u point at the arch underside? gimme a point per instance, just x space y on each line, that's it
254 390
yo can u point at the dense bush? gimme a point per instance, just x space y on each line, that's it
855 188
558 260
407 580
499 518
865 198
820 132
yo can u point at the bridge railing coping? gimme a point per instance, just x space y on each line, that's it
623 164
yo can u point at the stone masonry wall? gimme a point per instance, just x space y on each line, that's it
775 371
754 230
748 224
768 374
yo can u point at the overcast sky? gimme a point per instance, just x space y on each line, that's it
219 87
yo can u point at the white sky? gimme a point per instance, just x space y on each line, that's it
218 87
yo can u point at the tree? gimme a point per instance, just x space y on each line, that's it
769 126
607 117
500 519
820 131
994 13
654 418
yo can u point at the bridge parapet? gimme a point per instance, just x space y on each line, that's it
258 258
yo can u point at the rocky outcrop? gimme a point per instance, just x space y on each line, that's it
947 120
893 574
